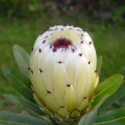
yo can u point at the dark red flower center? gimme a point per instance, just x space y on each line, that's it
62 43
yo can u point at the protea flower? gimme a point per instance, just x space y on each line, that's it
63 73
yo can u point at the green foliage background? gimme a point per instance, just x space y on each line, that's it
21 21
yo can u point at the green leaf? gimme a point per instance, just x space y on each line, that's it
118 94
109 86
7 118
32 113
18 81
116 122
24 103
99 63
89 117
122 100
22 58
116 117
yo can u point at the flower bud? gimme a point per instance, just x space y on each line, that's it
63 72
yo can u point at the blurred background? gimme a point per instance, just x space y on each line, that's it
21 21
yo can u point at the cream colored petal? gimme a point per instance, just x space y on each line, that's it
41 87
67 118
70 99
94 56
70 34
59 83
91 80
96 81
32 78
36 97
83 104
95 85
35 66
74 113
48 68
47 110
70 66
86 48
57 116
63 112
51 103
88 39
42 57
82 78
41 103
56 35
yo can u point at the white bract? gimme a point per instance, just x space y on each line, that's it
63 72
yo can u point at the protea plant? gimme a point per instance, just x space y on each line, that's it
64 71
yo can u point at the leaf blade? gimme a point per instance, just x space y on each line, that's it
118 94
22 59
19 119
116 117
109 86
20 101
18 81
90 116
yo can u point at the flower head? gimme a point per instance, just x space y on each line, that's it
63 72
